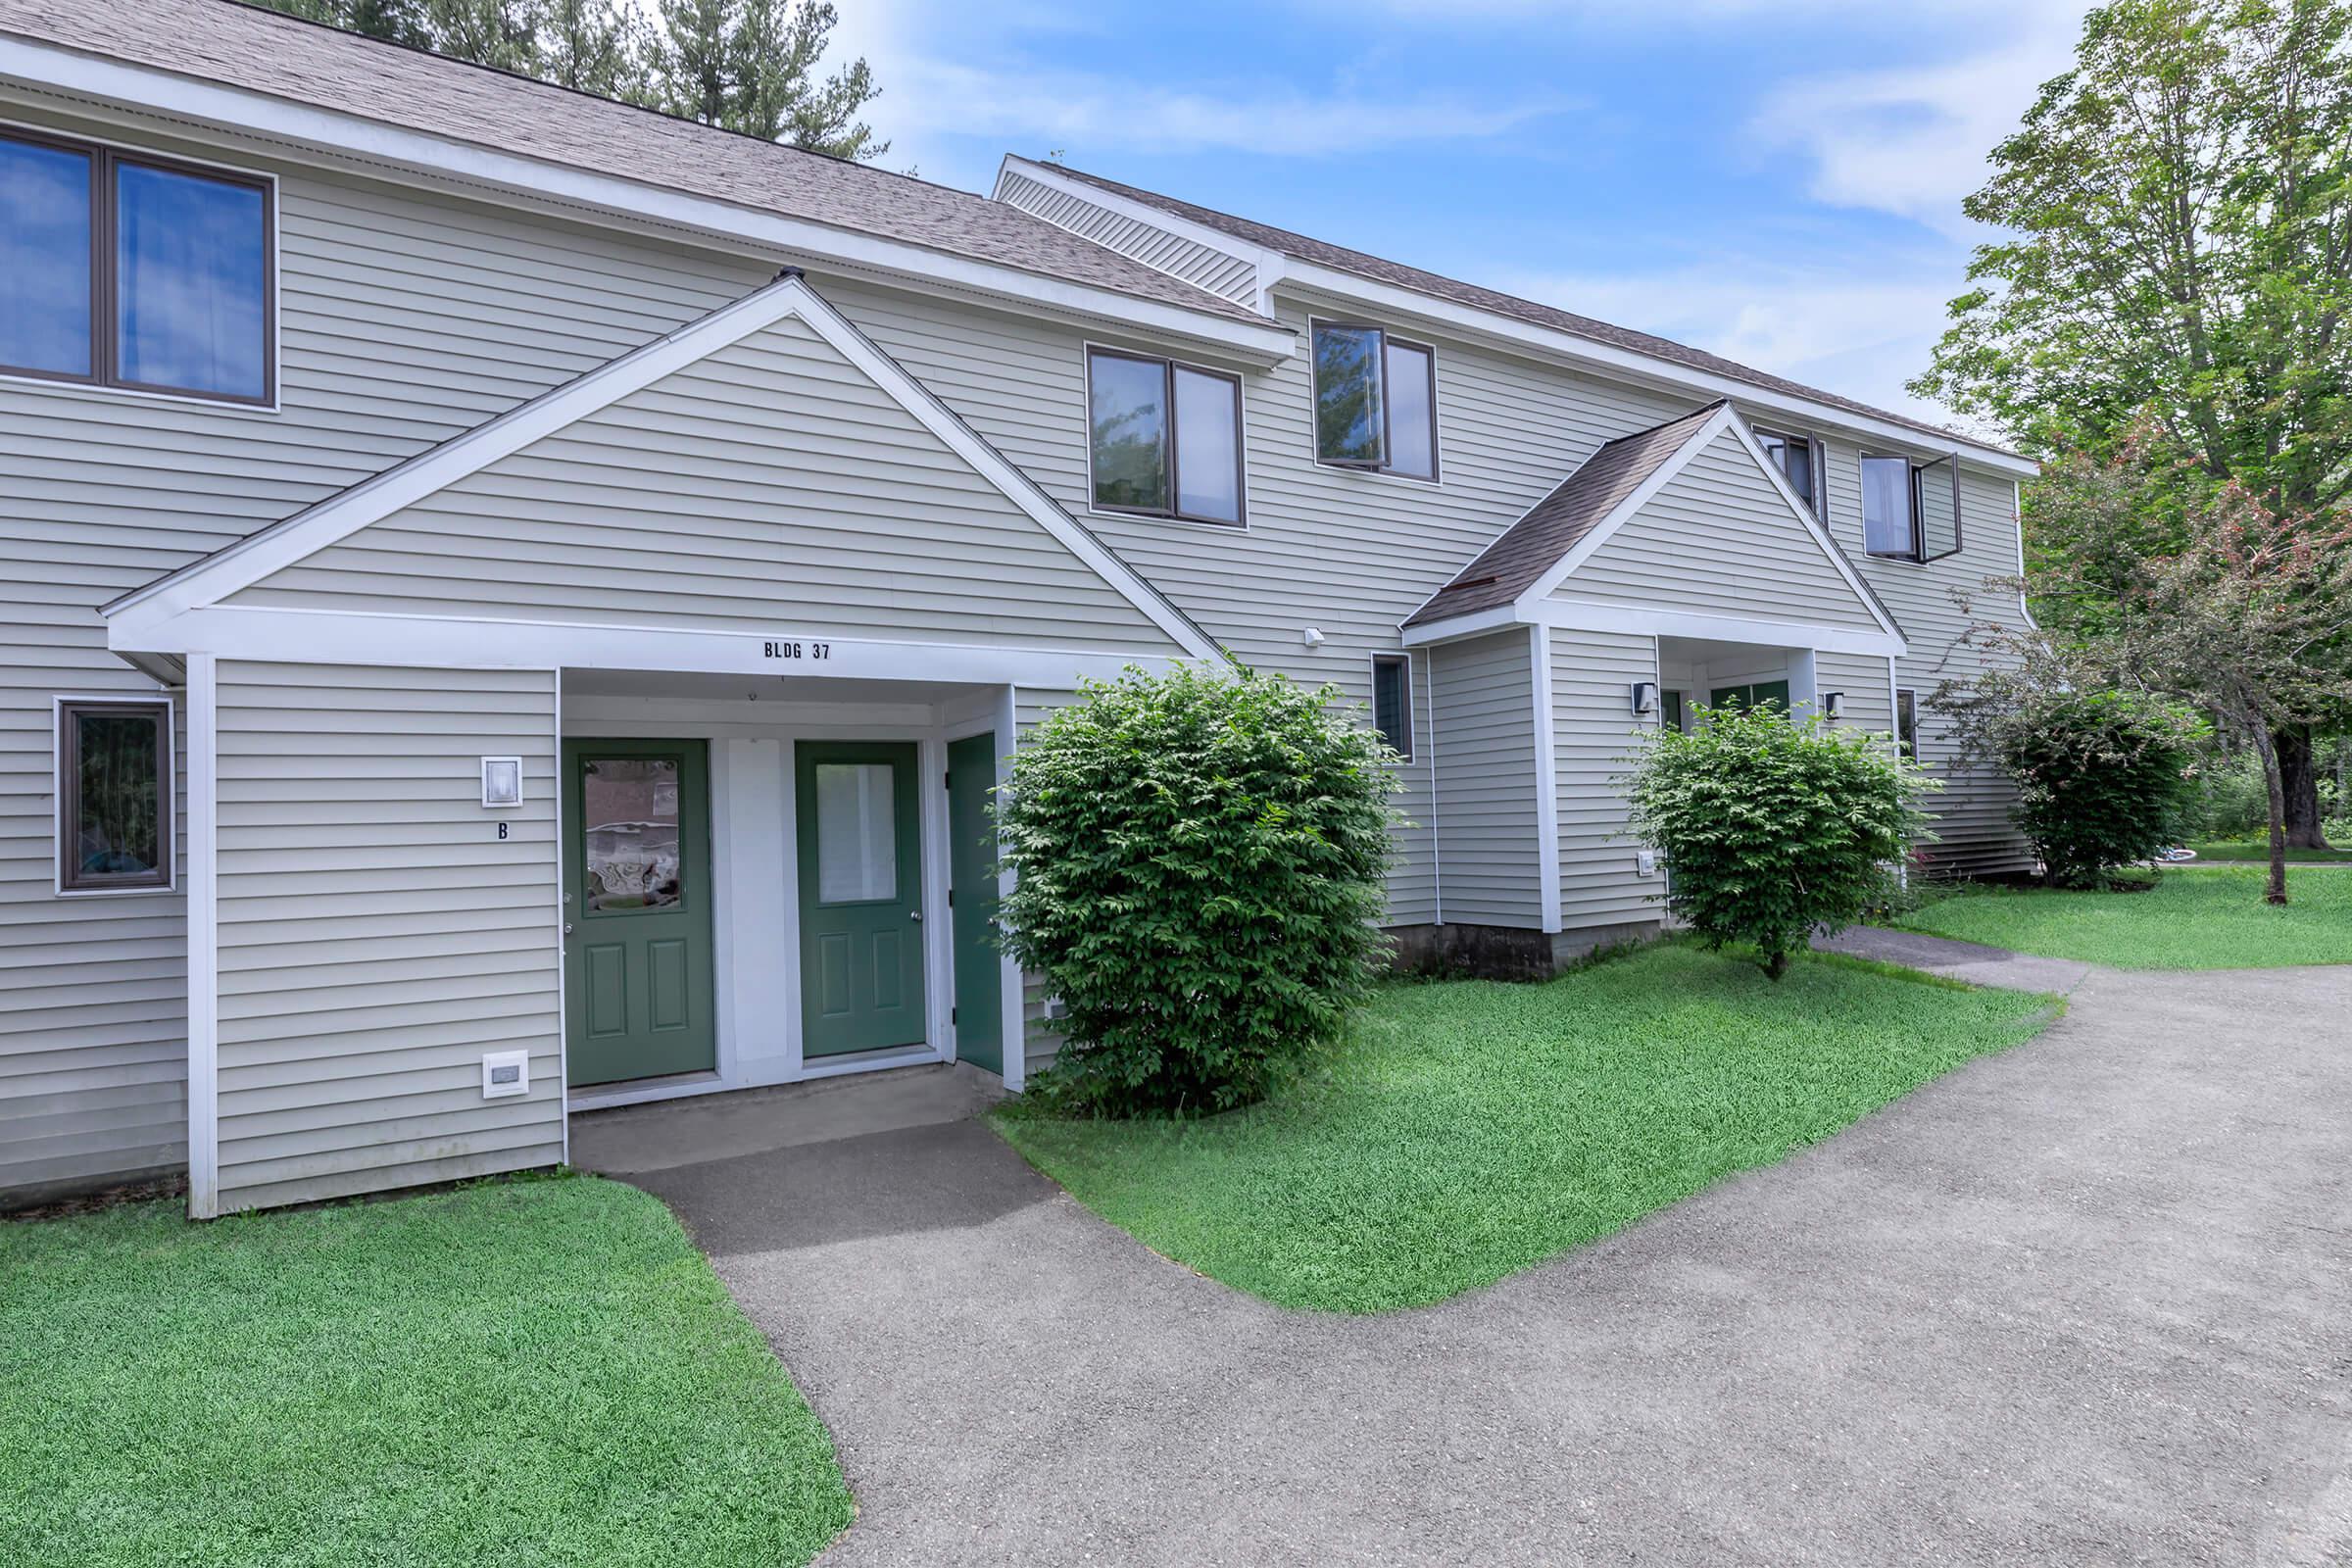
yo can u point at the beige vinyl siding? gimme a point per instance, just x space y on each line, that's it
376 937
769 486
1976 832
404 318
1219 272
1484 695
1350 554
1594 738
1717 539
1868 702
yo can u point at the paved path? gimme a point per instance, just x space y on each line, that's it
2087 1302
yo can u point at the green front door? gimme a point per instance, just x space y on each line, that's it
972 902
637 909
1762 692
861 884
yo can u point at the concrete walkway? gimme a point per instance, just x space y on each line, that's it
2087 1302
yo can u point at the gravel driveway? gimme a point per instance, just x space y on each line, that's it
2087 1302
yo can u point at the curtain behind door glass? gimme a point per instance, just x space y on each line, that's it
45 258
189 282
118 817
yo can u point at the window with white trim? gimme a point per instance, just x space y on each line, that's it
123 271
1906 722
114 795
1392 701
1376 401
1164 440
1910 511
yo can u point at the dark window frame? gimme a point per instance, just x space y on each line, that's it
1403 664
1170 442
68 824
1906 718
1917 554
1817 455
104 158
1388 430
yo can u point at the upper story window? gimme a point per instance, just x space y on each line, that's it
118 269
113 796
1392 701
1164 439
1799 458
1376 401
1910 511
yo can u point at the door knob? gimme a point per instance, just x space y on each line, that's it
915 915
567 928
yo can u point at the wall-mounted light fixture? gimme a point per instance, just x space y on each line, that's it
1645 698
1833 702
502 781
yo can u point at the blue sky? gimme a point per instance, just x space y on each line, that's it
1778 182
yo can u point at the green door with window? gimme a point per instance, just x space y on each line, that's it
972 902
637 964
862 896
1755 696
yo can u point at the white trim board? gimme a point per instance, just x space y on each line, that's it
1576 615
1547 779
204 583
239 109
204 941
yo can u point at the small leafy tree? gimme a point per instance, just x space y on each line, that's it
2104 778
1199 860
1772 825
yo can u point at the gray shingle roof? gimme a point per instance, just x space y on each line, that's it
1340 259
245 46
1553 525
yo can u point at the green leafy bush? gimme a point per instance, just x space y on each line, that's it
1200 859
2104 778
1771 826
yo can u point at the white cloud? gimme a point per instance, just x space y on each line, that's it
1861 333
1913 141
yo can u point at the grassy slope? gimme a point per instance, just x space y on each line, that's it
1471 1129
529 1372
2197 917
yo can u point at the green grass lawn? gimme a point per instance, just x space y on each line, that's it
2250 850
1470 1128
2195 917
515 1373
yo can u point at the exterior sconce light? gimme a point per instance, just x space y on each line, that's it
1833 702
1645 698
502 782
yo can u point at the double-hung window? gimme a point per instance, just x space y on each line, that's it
1392 701
122 271
1910 511
1799 458
1164 439
114 795
1376 401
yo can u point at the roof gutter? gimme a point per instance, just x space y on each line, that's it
1643 370
241 109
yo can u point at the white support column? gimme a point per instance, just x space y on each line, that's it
1804 682
1016 1043
1547 780
204 940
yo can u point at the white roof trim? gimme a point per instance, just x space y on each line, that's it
1643 620
1622 512
1629 363
240 108
239 565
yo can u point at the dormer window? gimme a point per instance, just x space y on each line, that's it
1798 458
1376 401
